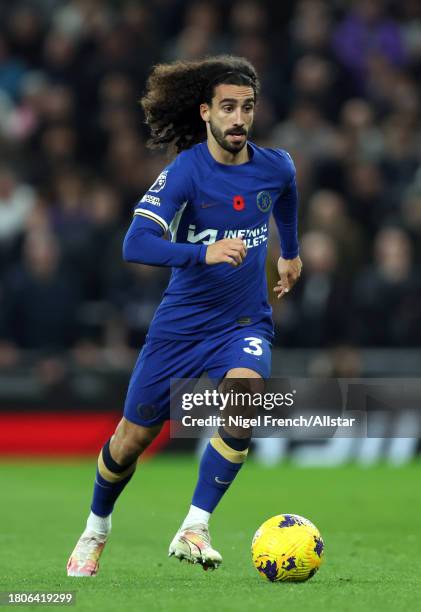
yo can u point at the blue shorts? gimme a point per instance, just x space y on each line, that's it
148 397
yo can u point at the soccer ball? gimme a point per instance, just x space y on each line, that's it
287 548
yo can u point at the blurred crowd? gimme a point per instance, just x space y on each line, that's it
340 91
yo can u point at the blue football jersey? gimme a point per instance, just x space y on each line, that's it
200 201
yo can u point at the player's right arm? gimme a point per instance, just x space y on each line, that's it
152 216
145 245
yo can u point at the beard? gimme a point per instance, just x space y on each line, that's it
220 137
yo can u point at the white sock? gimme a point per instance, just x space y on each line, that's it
99 524
196 515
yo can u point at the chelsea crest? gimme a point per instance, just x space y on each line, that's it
264 201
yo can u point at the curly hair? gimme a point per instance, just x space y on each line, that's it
175 91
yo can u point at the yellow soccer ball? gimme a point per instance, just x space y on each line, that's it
287 548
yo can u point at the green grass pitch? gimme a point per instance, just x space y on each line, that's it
370 520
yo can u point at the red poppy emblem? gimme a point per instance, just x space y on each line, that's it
238 202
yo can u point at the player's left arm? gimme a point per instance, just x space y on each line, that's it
285 213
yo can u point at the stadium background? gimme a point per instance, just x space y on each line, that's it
340 91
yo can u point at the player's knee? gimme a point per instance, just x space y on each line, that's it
245 373
130 440
241 409
242 380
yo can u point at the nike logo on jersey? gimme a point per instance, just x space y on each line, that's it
209 204
222 482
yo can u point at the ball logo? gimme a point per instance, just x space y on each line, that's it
160 182
238 202
264 201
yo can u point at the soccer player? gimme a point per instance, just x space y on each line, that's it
215 199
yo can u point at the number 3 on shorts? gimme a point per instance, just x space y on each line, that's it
255 346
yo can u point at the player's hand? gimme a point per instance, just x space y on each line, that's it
289 271
228 250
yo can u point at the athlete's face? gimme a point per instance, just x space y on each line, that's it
230 116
